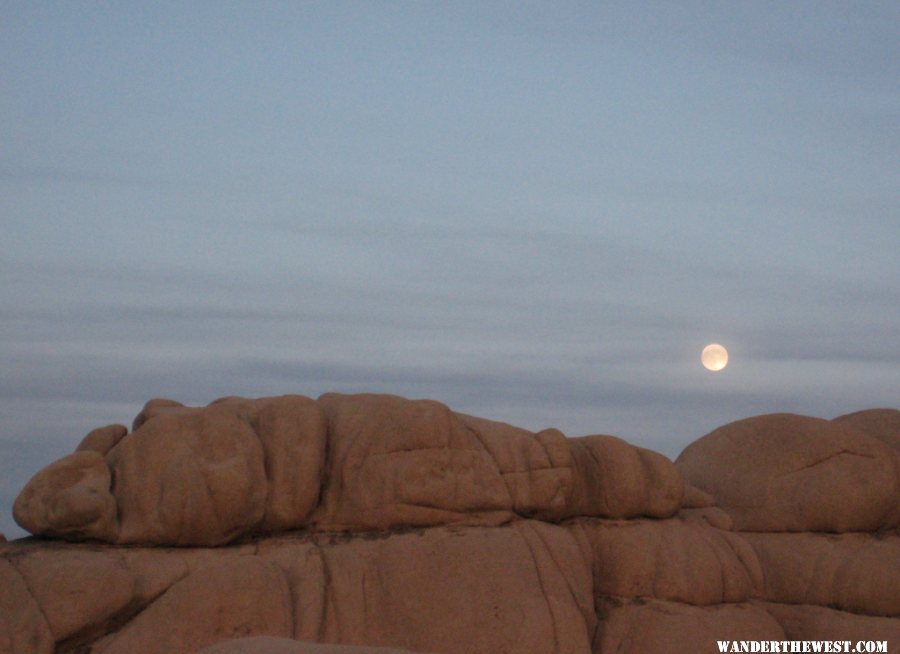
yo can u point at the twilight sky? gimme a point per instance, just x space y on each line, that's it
534 212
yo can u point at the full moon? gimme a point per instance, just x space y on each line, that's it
714 357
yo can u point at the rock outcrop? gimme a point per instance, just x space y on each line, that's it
818 502
785 472
206 476
356 523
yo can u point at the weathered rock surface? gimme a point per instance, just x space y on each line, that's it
357 523
23 627
671 560
883 424
205 476
852 572
270 645
784 472
645 627
524 587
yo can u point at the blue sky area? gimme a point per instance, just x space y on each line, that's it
534 212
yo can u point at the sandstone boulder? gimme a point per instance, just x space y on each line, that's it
535 468
70 499
238 467
395 462
206 476
614 479
186 477
784 472
674 560
371 523
852 572
883 424
102 439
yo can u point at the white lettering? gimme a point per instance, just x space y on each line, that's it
811 646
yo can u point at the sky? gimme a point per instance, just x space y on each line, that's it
534 212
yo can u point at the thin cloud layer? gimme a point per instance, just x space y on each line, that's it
539 216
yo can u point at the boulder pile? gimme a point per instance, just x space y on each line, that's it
372 523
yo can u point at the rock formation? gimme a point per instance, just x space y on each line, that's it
363 522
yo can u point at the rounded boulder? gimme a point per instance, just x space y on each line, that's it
786 472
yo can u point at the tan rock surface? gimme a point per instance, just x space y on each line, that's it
206 476
535 468
23 628
805 622
190 477
153 408
614 479
270 645
76 589
396 462
784 472
675 560
372 520
712 516
102 439
237 597
522 588
653 627
853 572
883 424
525 587
294 437
70 499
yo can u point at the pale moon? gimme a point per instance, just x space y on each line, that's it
714 357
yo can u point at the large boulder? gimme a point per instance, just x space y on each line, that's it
239 467
785 472
395 462
350 523
71 499
883 424
614 479
186 476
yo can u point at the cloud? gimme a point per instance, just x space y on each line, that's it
79 177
